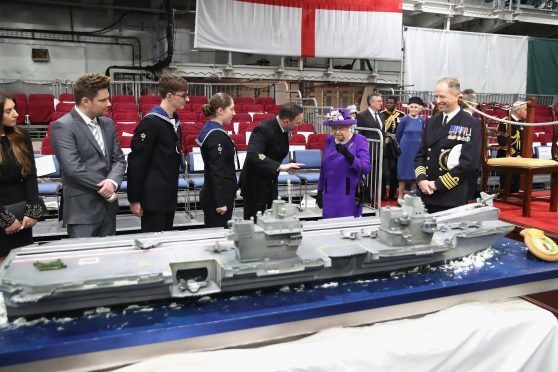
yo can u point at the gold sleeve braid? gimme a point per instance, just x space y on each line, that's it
420 170
448 181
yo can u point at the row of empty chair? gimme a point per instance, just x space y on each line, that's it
42 108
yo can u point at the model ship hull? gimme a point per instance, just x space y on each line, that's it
195 263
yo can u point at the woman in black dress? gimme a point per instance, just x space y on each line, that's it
19 195
219 154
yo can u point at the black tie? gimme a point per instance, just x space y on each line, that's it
378 120
445 121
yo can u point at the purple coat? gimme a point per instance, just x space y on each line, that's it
338 179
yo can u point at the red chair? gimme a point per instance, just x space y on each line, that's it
189 117
265 101
316 141
246 126
197 107
40 111
273 109
21 107
198 125
46 148
258 118
43 97
545 139
297 139
124 106
64 106
67 97
191 128
241 117
229 128
121 98
197 99
187 107
144 100
125 116
125 141
188 143
19 97
253 108
305 127
146 107
239 141
238 100
239 109
57 115
125 127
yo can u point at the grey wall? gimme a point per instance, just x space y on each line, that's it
68 60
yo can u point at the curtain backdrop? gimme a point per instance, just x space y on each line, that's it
542 73
487 63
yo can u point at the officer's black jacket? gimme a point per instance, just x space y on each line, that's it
432 157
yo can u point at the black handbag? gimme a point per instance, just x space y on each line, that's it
394 148
362 195
17 209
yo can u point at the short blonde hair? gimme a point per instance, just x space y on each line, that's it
453 84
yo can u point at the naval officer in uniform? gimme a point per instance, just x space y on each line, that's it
450 151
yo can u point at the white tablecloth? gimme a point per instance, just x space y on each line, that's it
510 335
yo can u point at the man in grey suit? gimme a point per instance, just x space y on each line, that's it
91 160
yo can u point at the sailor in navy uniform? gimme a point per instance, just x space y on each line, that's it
449 153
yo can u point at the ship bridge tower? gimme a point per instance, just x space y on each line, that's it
408 225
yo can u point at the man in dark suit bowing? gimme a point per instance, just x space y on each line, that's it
267 147
91 161
450 151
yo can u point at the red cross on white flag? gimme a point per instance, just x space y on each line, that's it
308 28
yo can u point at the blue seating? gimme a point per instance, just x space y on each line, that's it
285 178
312 160
310 172
51 188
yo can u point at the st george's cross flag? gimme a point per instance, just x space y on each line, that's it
307 28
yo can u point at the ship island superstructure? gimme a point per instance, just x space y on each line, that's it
275 250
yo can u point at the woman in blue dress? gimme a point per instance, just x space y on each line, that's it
409 135
346 154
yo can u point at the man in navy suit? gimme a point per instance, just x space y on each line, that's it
91 161
372 117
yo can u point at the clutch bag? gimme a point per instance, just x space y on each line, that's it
17 209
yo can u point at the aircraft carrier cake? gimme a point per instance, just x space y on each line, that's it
274 251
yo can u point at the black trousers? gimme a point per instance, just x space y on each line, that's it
19 239
389 176
157 221
213 219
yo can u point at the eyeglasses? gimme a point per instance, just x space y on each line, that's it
185 95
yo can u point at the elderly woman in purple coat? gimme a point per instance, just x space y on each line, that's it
346 155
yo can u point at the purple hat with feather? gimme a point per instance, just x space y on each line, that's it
339 117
